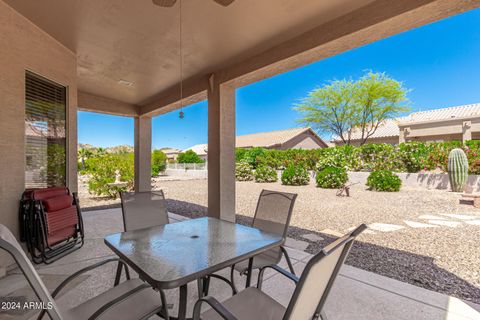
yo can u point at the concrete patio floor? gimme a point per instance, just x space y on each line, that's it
357 294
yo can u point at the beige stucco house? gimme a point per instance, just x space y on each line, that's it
459 123
122 58
296 138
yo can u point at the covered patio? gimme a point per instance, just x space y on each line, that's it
357 294
134 59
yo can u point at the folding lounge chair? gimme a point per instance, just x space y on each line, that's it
308 299
51 223
273 214
130 300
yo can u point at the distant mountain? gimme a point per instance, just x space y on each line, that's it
116 149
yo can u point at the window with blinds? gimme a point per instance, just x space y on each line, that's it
45 132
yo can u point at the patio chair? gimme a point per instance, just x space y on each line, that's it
132 299
273 213
143 209
308 299
50 223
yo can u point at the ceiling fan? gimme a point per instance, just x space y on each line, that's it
170 3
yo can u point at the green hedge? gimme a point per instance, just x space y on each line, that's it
406 157
243 171
295 175
331 178
384 180
265 174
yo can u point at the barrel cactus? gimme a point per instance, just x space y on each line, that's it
457 169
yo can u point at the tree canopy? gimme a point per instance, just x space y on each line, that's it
189 156
343 107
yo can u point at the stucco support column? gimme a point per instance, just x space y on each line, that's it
466 131
221 150
401 135
143 153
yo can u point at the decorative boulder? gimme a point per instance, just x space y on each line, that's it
457 169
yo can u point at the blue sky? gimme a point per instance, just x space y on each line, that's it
439 63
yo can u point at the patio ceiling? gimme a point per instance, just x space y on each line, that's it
248 41
139 42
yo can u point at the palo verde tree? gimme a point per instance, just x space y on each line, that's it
343 107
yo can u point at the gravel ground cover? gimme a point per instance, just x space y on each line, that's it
423 237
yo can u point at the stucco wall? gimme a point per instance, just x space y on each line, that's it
420 180
26 47
303 141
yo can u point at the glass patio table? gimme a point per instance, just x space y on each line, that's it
173 255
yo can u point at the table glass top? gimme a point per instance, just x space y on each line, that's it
174 254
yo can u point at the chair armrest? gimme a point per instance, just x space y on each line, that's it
123 297
79 272
76 274
283 272
216 305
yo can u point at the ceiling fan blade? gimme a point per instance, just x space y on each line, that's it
224 2
164 3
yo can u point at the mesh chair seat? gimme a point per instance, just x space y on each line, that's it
143 209
308 299
249 304
139 305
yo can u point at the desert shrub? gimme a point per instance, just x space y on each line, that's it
265 174
331 178
189 156
413 155
410 157
381 156
472 150
240 154
295 176
437 157
253 155
159 162
243 171
102 173
384 180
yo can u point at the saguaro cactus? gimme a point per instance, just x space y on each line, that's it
457 169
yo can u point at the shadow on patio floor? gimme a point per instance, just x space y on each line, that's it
404 266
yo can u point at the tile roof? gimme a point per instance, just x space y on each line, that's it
268 139
262 139
200 149
390 127
465 111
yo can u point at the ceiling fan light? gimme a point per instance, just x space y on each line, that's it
164 3
224 2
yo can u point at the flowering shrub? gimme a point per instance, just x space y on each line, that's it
331 178
265 174
243 171
102 174
384 180
295 176
409 157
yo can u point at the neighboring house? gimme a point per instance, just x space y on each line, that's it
297 138
171 153
460 123
200 150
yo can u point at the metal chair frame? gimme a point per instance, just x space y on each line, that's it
34 232
13 249
319 313
292 197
